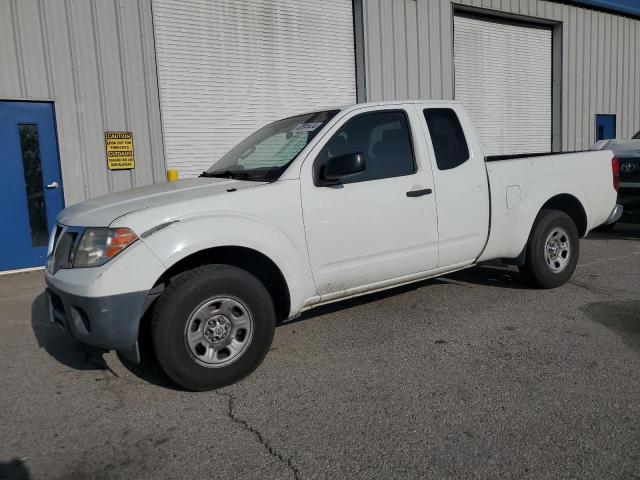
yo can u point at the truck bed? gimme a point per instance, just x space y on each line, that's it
520 187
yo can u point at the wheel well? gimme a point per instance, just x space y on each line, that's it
571 206
252 261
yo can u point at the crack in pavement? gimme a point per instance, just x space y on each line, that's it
272 451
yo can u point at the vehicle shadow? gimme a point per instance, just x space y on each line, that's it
622 231
359 300
78 356
61 346
148 370
14 470
490 275
620 316
501 276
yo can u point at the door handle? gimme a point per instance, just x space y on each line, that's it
52 186
419 193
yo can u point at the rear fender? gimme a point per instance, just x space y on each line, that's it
543 191
511 227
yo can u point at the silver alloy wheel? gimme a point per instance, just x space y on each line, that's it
557 250
219 331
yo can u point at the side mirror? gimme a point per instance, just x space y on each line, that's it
343 166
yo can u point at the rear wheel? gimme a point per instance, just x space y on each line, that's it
212 326
552 250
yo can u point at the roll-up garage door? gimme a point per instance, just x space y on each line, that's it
226 68
503 77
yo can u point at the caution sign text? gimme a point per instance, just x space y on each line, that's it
120 150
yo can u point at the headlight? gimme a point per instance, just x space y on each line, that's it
99 245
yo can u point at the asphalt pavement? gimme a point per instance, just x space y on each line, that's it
472 375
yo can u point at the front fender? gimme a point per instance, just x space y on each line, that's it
287 249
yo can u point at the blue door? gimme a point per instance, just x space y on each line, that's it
605 126
31 191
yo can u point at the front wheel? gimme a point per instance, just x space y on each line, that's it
552 250
212 326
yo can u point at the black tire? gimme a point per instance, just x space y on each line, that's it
536 271
184 294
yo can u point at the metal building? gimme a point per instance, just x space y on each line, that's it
98 96
508 60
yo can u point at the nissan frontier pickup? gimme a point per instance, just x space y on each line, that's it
308 210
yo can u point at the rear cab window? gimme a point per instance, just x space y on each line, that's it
449 144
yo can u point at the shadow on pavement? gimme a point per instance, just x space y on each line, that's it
620 316
490 276
500 276
360 300
148 369
74 354
61 346
14 470
622 231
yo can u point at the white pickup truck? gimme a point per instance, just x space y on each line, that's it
308 210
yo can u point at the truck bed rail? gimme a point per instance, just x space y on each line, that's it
497 158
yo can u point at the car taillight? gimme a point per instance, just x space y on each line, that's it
615 168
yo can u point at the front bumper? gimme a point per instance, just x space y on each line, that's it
109 322
103 306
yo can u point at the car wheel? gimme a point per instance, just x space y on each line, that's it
552 250
212 326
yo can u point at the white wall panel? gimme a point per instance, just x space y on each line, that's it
503 77
226 68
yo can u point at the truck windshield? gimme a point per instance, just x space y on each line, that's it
266 154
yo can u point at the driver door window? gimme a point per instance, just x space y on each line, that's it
383 138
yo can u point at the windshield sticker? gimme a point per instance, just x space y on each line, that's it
305 127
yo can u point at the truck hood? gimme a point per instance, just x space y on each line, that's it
101 211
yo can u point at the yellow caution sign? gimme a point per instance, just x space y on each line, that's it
172 175
120 150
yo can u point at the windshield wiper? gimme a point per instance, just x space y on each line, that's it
227 174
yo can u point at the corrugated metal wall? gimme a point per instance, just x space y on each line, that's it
408 49
95 59
409 54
